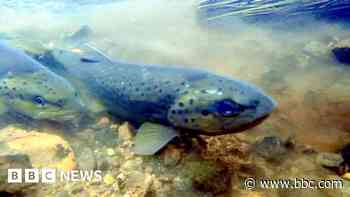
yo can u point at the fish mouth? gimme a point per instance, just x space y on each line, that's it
241 128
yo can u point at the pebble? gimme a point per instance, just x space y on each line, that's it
108 179
104 122
63 194
171 156
85 158
77 188
271 148
346 176
125 132
110 152
329 159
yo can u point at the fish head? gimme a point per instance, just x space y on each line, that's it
217 105
41 95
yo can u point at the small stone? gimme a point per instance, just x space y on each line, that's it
121 177
85 158
110 152
63 194
346 176
104 122
329 159
44 150
114 126
125 132
77 188
171 156
108 179
13 159
271 148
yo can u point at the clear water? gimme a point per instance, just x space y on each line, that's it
294 64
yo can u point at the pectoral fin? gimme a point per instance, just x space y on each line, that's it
152 137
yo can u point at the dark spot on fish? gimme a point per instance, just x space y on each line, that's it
14 89
186 120
205 112
191 101
183 83
192 120
88 60
60 102
203 91
179 112
177 90
143 83
148 89
137 89
142 94
173 111
160 90
181 104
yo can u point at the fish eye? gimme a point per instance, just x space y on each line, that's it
39 100
229 108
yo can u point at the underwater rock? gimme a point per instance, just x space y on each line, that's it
103 122
171 156
125 132
10 159
85 158
346 189
329 159
341 51
108 179
271 148
44 150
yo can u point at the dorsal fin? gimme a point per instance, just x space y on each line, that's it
96 53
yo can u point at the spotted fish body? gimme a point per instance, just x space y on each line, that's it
189 99
29 89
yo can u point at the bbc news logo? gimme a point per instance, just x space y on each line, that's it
47 175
